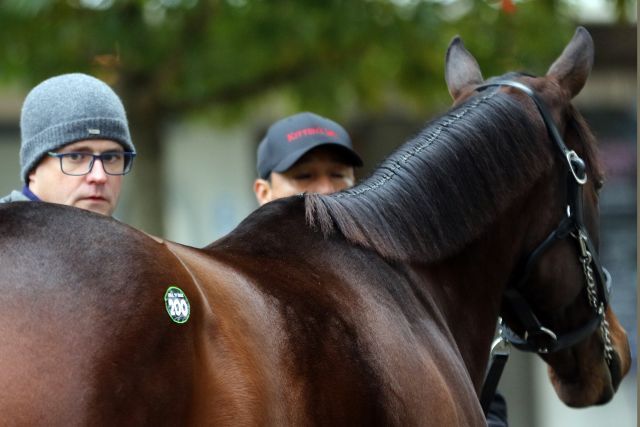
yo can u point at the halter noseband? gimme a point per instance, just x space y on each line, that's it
538 338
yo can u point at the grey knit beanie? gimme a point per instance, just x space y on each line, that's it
66 109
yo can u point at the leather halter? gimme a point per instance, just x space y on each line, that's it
537 338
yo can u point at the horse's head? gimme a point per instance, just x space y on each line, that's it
557 300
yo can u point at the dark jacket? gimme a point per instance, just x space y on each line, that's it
497 416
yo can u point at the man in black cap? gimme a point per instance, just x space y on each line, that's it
304 153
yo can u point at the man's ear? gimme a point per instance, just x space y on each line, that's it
32 176
262 188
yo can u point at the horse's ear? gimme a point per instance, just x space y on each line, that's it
573 66
461 68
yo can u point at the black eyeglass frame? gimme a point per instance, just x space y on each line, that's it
128 161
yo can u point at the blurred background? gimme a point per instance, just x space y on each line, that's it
202 80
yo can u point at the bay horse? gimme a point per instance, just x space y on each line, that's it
373 306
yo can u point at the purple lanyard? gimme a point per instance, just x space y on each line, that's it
27 192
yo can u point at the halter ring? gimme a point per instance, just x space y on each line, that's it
577 167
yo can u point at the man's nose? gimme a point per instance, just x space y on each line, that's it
97 173
324 185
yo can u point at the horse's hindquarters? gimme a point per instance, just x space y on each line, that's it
87 339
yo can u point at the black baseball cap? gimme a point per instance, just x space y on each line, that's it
288 139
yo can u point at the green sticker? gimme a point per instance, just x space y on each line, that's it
177 304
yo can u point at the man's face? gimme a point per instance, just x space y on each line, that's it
95 191
321 170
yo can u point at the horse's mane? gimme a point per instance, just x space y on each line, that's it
441 189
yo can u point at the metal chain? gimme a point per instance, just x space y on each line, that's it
585 260
608 347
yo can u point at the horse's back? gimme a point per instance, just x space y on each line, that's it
86 337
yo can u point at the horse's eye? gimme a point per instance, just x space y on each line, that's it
599 183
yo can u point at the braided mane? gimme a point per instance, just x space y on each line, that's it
441 189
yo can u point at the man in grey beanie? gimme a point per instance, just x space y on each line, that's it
75 144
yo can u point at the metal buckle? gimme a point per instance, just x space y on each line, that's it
540 335
577 166
500 346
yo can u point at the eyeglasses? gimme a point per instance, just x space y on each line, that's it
79 163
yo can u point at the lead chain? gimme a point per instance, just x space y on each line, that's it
608 347
585 260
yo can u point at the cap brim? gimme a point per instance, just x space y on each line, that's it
351 156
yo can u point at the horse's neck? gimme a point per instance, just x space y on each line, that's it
475 279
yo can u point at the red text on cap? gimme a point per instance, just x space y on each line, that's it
292 136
